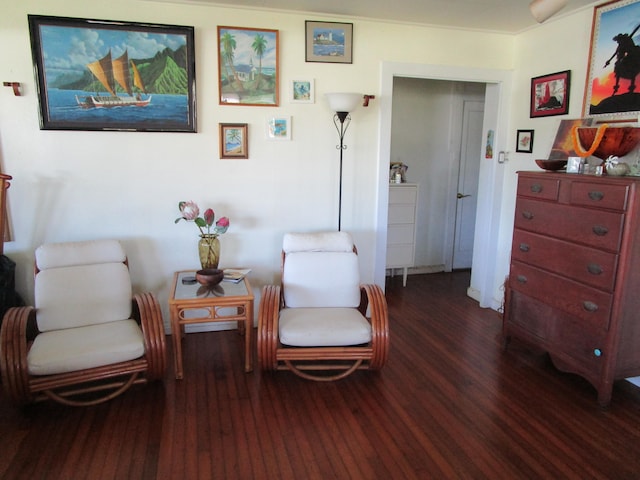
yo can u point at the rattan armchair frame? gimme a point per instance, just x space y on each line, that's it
83 387
322 363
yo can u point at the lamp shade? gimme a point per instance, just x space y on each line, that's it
544 9
343 102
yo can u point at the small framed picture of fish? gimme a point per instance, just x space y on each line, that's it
113 75
279 128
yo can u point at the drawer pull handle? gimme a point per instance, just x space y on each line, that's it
597 352
600 230
521 279
536 188
596 196
524 247
590 306
527 214
594 269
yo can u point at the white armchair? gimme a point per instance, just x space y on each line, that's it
315 323
85 335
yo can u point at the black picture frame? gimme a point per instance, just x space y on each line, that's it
524 141
113 75
550 94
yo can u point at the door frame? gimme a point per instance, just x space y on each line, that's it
485 283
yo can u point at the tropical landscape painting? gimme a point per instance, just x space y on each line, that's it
104 75
248 66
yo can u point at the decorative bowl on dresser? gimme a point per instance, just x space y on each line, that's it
574 284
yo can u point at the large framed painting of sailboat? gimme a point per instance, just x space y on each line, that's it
112 75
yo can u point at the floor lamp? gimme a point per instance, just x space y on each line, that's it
343 104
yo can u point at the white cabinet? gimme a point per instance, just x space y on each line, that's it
401 227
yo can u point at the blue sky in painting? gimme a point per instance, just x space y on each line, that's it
70 49
244 54
618 20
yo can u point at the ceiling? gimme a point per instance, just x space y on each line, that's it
506 16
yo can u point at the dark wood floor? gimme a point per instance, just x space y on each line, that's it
449 404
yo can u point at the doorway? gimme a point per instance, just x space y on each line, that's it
437 132
490 263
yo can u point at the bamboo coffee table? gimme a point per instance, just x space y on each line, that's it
193 304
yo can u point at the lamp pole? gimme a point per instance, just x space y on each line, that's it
341 120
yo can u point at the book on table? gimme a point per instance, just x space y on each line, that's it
235 275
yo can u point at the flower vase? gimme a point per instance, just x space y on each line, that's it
209 250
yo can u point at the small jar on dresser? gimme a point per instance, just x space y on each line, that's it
573 288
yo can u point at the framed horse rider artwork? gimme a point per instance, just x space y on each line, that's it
613 89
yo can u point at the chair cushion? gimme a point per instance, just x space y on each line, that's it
68 254
321 279
69 297
85 347
323 327
317 242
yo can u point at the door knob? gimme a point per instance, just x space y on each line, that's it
462 196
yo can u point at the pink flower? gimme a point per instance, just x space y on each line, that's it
209 216
189 210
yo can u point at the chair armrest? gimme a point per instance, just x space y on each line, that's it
148 314
379 324
18 328
268 315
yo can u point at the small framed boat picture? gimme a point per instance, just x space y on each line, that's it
113 75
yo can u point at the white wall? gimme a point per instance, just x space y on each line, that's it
78 185
558 45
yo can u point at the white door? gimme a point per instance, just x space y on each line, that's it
468 174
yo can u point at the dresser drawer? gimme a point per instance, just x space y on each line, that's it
586 303
599 195
402 194
544 188
565 337
583 264
587 226
584 347
400 234
401 214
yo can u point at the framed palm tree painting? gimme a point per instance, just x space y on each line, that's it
248 66
233 140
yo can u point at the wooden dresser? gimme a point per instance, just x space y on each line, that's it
574 284
401 227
